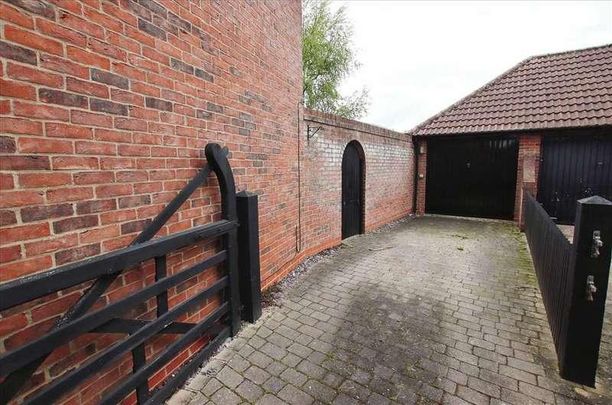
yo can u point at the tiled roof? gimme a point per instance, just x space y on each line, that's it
569 89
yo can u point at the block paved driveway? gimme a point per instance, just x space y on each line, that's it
433 310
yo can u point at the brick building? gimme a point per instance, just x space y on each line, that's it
105 108
545 125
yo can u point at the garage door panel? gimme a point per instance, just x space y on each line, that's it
574 167
472 176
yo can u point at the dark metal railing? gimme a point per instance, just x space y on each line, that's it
573 280
18 365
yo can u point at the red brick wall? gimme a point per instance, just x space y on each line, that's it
105 109
421 176
105 117
528 170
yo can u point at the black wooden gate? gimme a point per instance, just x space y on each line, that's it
472 176
352 190
574 167
18 365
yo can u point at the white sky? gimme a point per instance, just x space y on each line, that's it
419 57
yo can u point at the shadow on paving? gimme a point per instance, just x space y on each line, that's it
435 310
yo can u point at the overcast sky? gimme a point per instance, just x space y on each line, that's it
419 57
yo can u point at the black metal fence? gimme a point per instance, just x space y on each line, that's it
17 366
573 280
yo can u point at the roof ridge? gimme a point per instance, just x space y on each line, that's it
590 48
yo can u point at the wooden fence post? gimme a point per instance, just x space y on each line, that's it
248 256
578 360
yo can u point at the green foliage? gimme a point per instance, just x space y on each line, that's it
328 59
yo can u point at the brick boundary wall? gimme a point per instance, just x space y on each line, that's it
388 182
105 108
389 174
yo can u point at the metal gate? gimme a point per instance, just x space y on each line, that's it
472 176
352 190
574 167
18 365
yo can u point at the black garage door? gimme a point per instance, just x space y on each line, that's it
574 167
472 176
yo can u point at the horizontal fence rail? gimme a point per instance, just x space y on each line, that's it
31 287
573 280
219 322
15 359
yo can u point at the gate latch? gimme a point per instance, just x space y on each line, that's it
597 243
590 288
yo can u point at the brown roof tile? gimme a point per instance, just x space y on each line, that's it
569 89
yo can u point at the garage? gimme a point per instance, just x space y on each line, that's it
542 128
472 176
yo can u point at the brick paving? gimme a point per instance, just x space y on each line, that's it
433 310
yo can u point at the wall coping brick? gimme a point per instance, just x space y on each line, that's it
341 122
